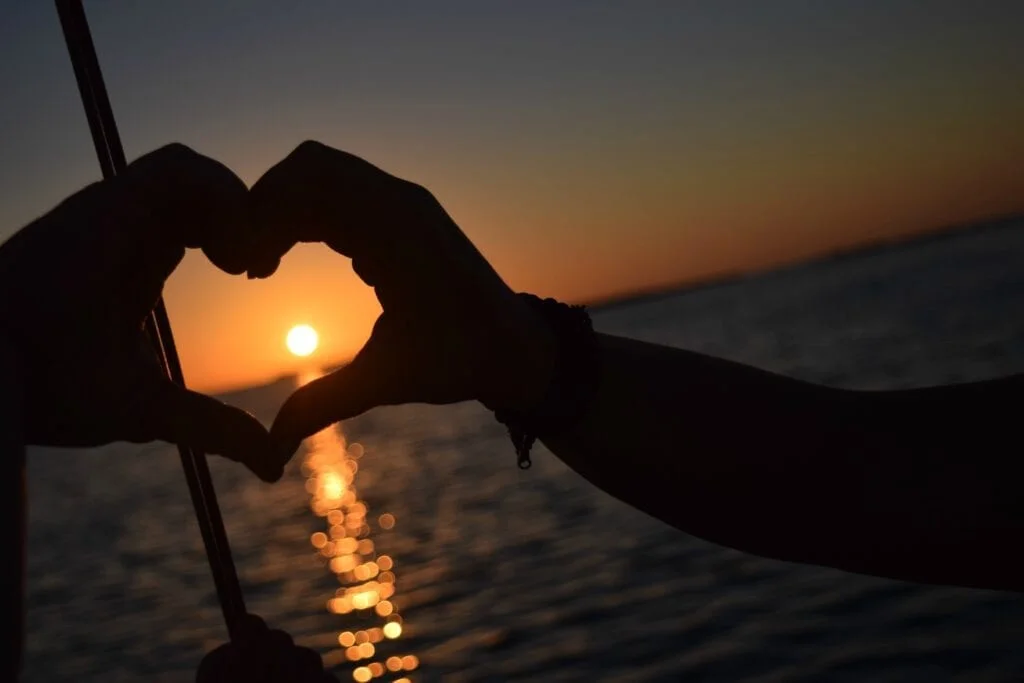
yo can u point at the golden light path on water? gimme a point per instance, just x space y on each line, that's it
370 624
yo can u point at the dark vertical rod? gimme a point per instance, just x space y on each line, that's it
112 161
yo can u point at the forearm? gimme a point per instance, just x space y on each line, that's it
901 484
13 497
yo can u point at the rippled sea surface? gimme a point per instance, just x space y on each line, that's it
407 544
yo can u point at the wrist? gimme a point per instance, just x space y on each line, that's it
559 374
524 366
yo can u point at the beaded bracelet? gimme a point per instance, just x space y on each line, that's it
573 383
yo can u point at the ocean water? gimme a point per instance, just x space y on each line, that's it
406 543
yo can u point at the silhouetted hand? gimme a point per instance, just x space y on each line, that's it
451 329
262 656
77 286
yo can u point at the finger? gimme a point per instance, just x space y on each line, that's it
190 201
274 649
251 628
344 393
177 415
320 194
218 665
308 664
297 664
279 641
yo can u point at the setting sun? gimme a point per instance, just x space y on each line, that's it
302 340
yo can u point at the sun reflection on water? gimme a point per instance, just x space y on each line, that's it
370 619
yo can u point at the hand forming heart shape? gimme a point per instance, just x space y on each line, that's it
81 280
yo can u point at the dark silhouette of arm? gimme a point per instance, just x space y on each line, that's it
13 498
921 485
918 485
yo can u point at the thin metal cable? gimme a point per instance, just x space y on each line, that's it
112 161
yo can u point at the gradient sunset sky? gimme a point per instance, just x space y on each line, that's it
588 148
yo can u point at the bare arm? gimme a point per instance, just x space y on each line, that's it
922 485
13 497
917 485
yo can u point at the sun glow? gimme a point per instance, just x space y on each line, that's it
302 340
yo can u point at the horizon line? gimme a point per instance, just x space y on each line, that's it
629 296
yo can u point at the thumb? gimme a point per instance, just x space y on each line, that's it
344 393
180 416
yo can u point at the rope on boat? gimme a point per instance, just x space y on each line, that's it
158 326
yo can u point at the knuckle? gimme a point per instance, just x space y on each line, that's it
172 158
179 148
417 192
176 151
310 148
